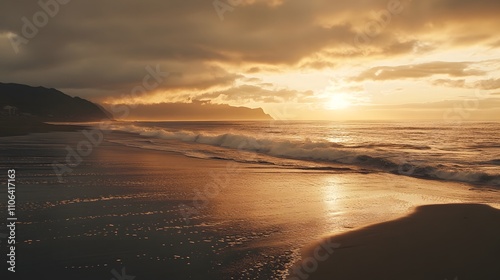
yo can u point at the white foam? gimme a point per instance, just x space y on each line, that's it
314 151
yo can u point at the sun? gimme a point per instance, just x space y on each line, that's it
338 101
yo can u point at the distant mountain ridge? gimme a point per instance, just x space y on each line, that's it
47 104
194 111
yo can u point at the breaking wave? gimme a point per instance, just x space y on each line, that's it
365 157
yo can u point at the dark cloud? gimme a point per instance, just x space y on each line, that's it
98 48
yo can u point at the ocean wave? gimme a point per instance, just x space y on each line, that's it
390 145
308 150
492 162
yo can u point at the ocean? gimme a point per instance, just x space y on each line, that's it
468 152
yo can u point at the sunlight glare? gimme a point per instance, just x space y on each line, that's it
338 102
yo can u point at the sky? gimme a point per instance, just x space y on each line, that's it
295 59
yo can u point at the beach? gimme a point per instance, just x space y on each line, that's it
13 126
163 215
450 241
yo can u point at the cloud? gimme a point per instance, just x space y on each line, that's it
489 84
255 94
99 49
460 83
454 69
485 103
95 45
485 84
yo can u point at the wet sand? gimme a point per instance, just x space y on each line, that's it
450 241
121 208
19 126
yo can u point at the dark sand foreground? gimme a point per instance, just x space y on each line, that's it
453 241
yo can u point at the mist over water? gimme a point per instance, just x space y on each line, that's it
469 152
